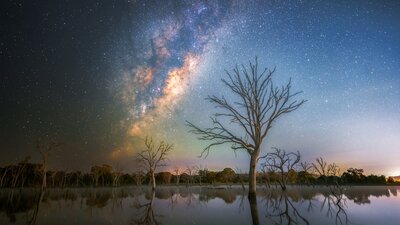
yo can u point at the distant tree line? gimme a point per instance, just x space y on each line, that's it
279 168
26 174
352 176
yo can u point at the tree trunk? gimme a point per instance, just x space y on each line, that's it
44 161
153 180
253 174
96 180
32 221
52 178
44 180
3 176
253 209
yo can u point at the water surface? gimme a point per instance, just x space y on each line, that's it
201 205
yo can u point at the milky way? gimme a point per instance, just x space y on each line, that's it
328 49
170 46
99 76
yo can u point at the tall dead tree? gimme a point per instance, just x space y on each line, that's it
304 175
117 174
44 147
259 103
18 170
190 170
327 172
177 171
320 166
3 176
153 157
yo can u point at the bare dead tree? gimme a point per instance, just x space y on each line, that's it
305 167
3 176
333 170
117 174
44 147
239 174
139 173
53 175
138 177
260 104
326 170
63 178
320 166
190 171
198 171
267 175
282 162
17 171
116 177
153 157
95 171
118 171
177 171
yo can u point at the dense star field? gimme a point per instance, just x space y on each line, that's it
100 75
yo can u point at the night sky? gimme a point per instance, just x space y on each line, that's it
98 76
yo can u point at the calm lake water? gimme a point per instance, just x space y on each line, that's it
205 205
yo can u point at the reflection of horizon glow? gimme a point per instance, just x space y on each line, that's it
182 205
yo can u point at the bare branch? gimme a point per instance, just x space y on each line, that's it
257 105
261 103
320 166
282 162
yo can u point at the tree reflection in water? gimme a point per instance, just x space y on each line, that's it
254 209
336 204
144 213
296 205
282 208
11 204
33 219
287 207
